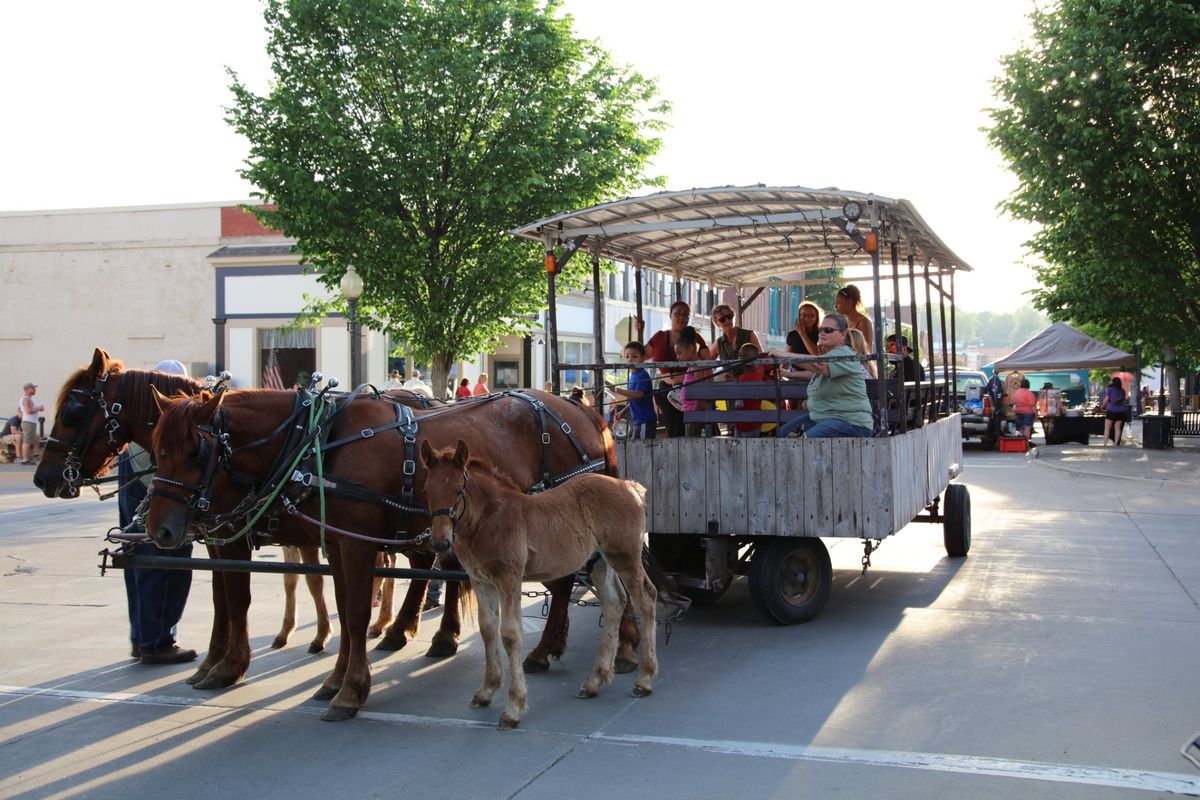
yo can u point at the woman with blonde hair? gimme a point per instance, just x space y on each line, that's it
732 337
848 303
858 343
803 338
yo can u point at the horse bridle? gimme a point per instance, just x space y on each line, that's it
93 400
198 497
455 509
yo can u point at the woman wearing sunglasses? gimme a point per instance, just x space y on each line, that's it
837 404
730 342
802 338
661 349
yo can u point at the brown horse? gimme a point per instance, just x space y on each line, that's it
543 536
100 409
505 428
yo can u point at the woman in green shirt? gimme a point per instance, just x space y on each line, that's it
837 404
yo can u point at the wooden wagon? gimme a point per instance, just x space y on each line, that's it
720 506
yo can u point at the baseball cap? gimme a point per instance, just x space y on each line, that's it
30 386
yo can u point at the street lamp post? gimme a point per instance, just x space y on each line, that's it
352 289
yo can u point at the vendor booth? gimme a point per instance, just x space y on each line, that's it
1061 347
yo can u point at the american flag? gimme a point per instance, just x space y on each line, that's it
272 379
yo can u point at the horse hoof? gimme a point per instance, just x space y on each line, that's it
390 645
640 691
338 713
507 724
623 665
442 648
477 702
324 693
213 683
197 676
374 633
279 643
316 647
531 666
586 694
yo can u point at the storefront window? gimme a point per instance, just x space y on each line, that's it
288 356
575 352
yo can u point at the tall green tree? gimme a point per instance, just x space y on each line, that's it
1100 122
408 136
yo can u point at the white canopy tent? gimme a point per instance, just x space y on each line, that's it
1061 347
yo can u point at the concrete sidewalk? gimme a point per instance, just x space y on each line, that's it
1179 465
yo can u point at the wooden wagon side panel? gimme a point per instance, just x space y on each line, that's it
878 488
636 462
818 487
666 485
731 456
945 448
845 481
762 485
910 474
790 494
712 478
693 464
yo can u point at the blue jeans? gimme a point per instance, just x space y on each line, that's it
156 597
825 429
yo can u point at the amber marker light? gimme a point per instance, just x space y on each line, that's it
871 242
551 264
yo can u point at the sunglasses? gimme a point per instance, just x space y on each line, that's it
830 330
724 318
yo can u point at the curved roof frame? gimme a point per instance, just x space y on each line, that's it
733 235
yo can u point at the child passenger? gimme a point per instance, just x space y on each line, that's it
752 372
640 393
687 348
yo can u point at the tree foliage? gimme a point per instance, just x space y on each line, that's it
409 135
1100 122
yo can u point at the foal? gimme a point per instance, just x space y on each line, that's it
503 536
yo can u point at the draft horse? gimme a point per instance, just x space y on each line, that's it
100 409
543 536
533 438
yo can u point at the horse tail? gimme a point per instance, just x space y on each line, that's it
467 606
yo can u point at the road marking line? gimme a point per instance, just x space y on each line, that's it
1142 780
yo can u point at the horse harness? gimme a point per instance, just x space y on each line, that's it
300 450
78 414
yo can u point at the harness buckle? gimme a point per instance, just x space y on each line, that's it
546 437
367 433
202 503
116 408
272 524
566 429
410 467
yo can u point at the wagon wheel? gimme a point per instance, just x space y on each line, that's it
956 520
790 578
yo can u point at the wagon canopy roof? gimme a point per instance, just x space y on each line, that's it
745 234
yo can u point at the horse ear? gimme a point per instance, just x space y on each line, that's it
461 454
211 403
161 400
100 362
427 456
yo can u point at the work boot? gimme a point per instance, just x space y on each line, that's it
168 655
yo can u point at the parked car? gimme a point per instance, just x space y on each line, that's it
979 419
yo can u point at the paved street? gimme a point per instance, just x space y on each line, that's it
1058 661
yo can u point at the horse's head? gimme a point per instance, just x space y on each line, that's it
85 437
445 491
187 460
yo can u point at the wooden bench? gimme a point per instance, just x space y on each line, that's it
918 403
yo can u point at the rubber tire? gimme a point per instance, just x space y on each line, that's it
774 573
956 520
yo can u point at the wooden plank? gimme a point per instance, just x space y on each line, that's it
762 478
789 492
733 485
878 488
819 485
693 461
846 477
714 458
637 464
666 485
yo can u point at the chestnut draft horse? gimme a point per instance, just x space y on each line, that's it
509 429
543 536
100 409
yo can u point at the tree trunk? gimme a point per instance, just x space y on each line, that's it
441 374
1171 371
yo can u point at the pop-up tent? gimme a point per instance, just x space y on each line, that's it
1061 347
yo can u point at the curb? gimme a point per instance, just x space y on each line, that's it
1110 476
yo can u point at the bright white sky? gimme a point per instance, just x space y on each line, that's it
120 103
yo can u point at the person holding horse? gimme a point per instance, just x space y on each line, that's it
662 352
837 404
155 597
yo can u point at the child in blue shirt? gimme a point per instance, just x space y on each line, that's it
639 392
